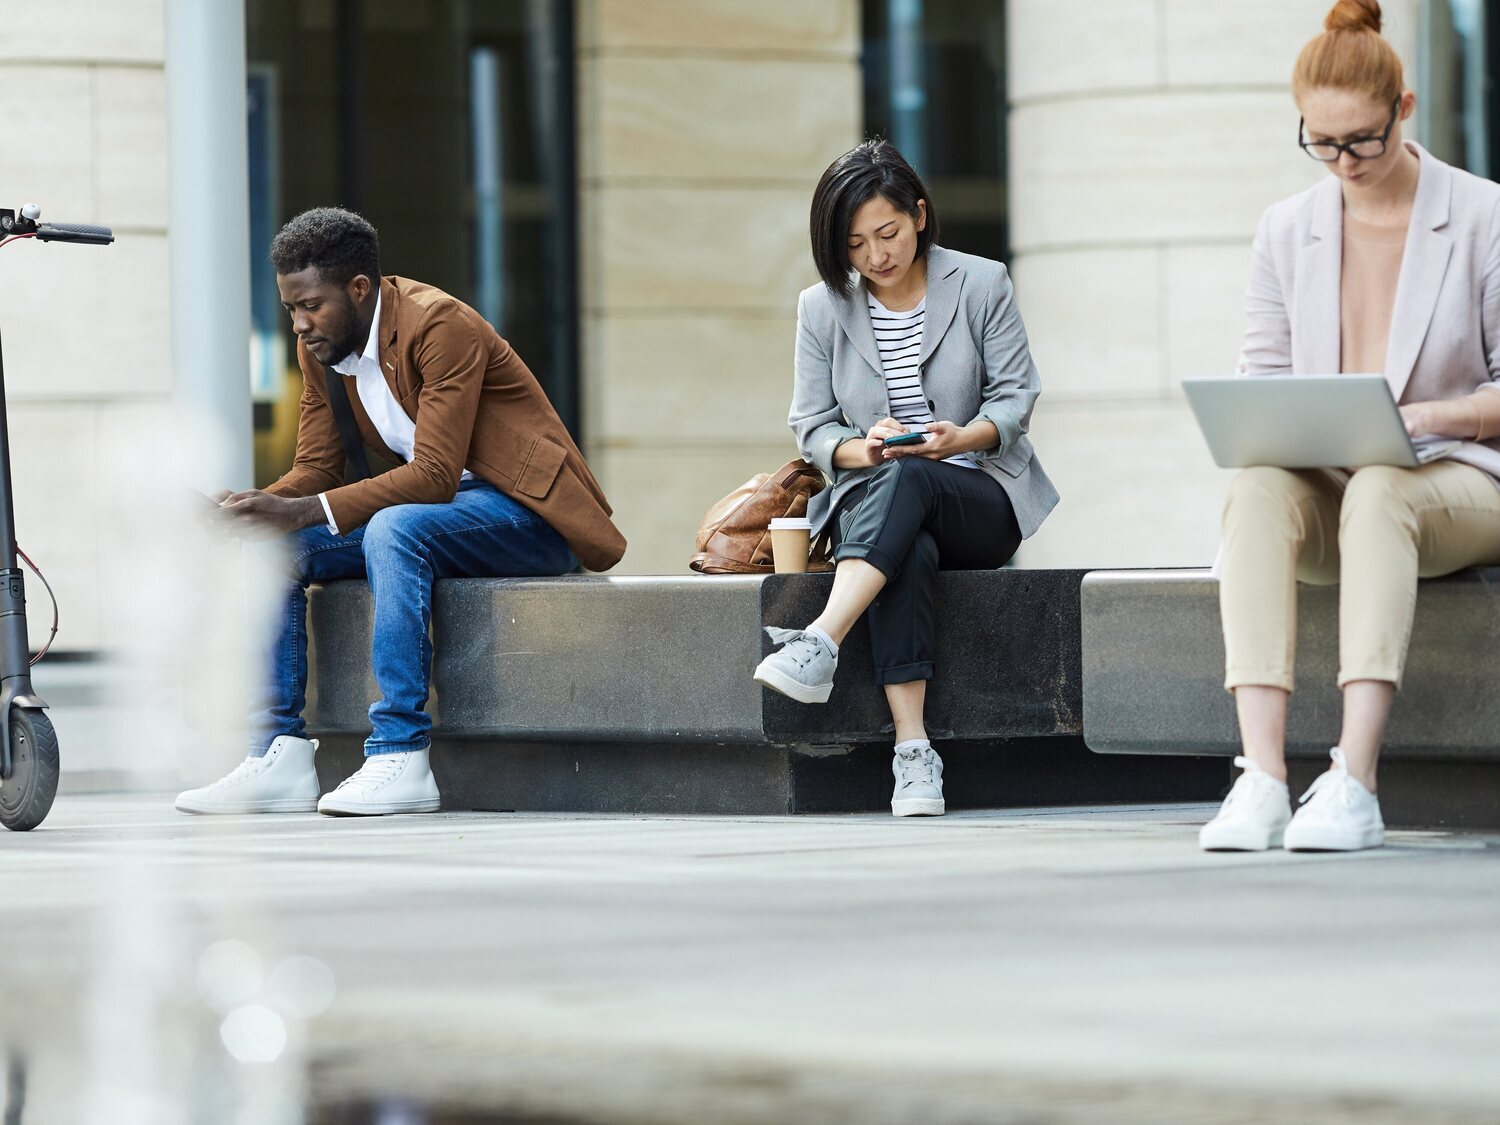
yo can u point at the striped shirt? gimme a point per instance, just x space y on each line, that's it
898 335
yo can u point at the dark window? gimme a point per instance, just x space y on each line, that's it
1456 107
1489 83
934 74
449 125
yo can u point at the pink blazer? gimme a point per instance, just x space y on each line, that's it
1445 326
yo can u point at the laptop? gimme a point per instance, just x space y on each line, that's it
1306 422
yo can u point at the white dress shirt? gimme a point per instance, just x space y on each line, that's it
393 424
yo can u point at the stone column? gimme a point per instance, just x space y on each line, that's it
1146 139
703 128
210 251
86 329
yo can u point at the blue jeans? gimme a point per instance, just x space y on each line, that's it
481 533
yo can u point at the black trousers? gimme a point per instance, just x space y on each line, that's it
913 518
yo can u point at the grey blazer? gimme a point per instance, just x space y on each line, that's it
975 363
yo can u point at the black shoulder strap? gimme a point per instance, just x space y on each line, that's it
343 416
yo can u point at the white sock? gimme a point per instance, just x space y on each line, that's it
913 744
825 638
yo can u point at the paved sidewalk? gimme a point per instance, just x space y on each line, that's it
1074 965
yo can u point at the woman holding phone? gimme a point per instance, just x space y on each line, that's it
1390 265
914 388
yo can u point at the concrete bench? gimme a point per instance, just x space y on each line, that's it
1153 683
634 695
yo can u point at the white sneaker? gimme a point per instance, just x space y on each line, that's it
1338 814
1253 816
385 784
282 780
919 780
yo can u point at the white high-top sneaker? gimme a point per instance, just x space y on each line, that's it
1253 816
1338 814
282 780
385 784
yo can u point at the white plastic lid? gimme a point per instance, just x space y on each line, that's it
791 523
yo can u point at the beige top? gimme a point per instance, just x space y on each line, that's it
1367 294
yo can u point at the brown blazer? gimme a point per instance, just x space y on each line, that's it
476 405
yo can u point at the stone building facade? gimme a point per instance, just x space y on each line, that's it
1145 138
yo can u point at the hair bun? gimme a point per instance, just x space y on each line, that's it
1354 15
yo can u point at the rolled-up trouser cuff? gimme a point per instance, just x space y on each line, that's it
1387 673
1234 678
881 560
905 673
373 748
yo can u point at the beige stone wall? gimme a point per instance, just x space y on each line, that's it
86 330
703 127
702 130
1146 138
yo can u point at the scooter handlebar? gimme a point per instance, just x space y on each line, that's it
86 233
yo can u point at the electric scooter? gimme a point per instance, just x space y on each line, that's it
28 744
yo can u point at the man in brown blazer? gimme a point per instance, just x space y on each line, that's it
487 483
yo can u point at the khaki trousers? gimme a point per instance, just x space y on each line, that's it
1373 531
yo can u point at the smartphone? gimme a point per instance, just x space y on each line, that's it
907 439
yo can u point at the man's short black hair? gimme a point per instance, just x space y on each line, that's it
874 168
339 243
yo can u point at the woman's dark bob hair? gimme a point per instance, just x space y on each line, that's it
874 168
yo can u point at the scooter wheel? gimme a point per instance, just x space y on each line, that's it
26 795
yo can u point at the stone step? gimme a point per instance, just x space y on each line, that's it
1153 683
669 659
1153 668
589 693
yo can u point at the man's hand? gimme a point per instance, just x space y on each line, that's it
262 515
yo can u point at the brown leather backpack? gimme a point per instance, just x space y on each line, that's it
733 537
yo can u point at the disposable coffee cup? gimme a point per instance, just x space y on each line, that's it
791 538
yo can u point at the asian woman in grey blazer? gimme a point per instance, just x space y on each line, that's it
913 392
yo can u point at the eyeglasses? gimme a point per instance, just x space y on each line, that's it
1361 148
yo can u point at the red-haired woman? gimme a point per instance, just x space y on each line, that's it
1392 265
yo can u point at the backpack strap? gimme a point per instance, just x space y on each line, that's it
792 471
